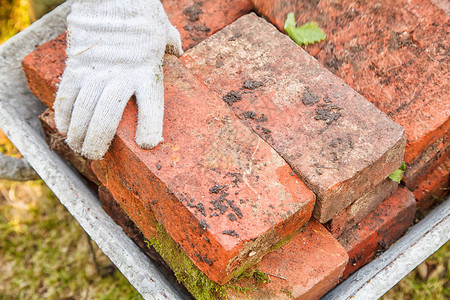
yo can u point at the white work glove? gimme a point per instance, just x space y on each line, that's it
115 49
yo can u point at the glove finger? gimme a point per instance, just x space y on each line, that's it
173 41
106 118
150 100
65 97
82 112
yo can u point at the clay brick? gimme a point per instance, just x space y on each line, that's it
196 20
426 162
359 209
46 64
232 193
309 266
56 143
380 229
335 140
435 185
391 52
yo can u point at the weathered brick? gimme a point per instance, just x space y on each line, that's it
435 185
46 64
359 209
335 140
196 20
379 229
426 162
55 140
307 267
232 193
391 52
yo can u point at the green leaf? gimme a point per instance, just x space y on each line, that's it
397 174
309 33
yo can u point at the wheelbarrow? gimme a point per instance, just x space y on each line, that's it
19 111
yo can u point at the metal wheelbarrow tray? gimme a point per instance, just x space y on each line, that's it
19 111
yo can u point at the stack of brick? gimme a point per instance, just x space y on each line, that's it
256 133
394 54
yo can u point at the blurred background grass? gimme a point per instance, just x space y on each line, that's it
45 254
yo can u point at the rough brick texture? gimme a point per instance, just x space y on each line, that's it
433 186
196 20
427 161
379 229
359 209
56 143
232 193
335 140
46 64
307 267
394 53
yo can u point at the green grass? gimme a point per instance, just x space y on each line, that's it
430 280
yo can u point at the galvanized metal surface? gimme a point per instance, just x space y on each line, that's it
18 119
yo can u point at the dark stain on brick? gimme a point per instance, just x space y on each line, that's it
230 232
235 36
262 118
236 209
309 98
203 225
193 11
249 115
232 217
216 188
265 130
232 97
205 259
250 84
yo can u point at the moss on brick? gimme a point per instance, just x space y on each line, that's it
184 269
196 282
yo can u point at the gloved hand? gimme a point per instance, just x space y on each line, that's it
114 49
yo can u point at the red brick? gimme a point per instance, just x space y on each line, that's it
56 143
435 185
205 145
426 162
391 52
46 64
379 229
339 160
309 266
196 20
359 209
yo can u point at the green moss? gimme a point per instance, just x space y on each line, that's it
184 269
260 276
287 292
255 274
196 282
